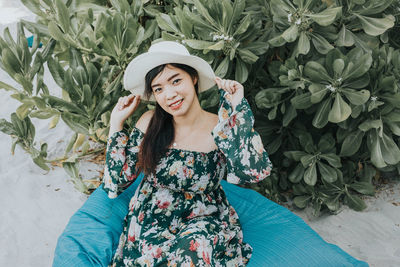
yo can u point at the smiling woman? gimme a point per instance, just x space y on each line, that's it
179 213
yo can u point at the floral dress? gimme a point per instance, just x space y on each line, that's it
181 216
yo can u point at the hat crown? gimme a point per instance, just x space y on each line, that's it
169 47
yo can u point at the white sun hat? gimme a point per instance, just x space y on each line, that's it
165 52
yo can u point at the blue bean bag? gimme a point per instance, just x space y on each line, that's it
278 237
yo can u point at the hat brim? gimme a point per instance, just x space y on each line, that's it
134 76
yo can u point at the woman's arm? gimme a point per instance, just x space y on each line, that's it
247 160
122 150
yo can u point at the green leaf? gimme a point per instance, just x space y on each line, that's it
358 83
244 24
10 62
87 95
217 46
328 173
303 46
238 8
19 126
204 12
222 68
352 143
332 159
338 66
290 34
41 163
198 44
301 101
277 41
355 202
121 5
376 26
42 114
310 175
247 56
63 15
316 72
55 32
326 17
356 97
370 124
326 143
376 151
23 110
53 123
307 160
394 127
241 72
71 143
198 21
301 201
321 116
272 113
363 188
7 127
359 68
390 150
71 169
289 115
295 155
56 71
321 44
340 110
318 91
164 22
77 123
227 11
345 37
297 174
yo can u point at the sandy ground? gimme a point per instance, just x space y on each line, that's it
37 205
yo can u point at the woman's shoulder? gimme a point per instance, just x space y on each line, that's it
144 120
213 119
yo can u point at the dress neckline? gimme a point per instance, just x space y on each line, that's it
184 150
193 151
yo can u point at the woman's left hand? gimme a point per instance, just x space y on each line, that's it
232 87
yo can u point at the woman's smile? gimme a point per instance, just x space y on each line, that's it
176 105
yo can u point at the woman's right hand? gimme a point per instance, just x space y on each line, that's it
123 109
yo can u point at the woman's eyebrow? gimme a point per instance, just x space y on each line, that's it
170 78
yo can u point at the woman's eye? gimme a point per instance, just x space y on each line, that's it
176 81
155 90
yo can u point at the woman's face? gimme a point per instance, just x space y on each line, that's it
174 85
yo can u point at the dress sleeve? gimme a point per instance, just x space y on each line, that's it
247 160
121 158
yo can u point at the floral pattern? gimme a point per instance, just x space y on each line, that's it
180 216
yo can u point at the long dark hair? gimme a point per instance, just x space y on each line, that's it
160 132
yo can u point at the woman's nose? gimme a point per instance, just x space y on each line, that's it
170 92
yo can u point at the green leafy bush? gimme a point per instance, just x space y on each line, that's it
322 78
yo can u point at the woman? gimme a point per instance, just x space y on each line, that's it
179 215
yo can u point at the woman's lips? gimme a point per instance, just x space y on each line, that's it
178 105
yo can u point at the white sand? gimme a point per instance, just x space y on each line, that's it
36 205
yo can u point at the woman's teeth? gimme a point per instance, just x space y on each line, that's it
177 103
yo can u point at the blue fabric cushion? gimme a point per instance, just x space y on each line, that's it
278 236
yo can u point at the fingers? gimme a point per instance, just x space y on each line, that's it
218 81
134 104
228 85
126 101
